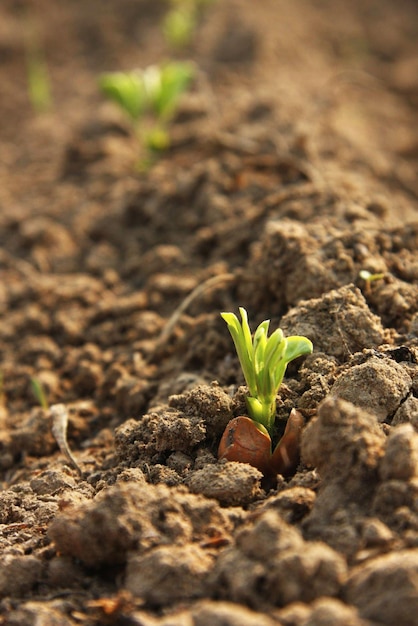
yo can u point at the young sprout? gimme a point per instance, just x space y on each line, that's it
38 83
39 87
151 95
180 23
39 393
263 360
368 277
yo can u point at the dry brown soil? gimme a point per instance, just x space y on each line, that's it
292 169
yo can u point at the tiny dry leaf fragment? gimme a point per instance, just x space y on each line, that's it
59 414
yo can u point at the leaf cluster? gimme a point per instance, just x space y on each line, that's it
155 90
150 93
263 361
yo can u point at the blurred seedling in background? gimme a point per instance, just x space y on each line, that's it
369 278
150 99
39 86
181 21
39 393
263 361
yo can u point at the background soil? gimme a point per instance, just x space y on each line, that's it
292 168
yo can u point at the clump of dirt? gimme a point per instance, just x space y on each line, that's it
270 564
343 322
230 483
380 386
168 517
291 173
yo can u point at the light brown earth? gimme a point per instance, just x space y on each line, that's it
292 168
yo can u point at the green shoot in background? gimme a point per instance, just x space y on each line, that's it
180 22
263 361
39 393
149 98
368 277
39 87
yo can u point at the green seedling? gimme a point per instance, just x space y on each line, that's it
368 277
38 83
149 98
39 86
39 393
263 360
179 26
180 22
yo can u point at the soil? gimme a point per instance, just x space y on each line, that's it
292 169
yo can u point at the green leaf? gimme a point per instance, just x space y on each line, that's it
274 349
273 354
259 348
293 347
240 338
164 90
246 332
127 90
297 346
